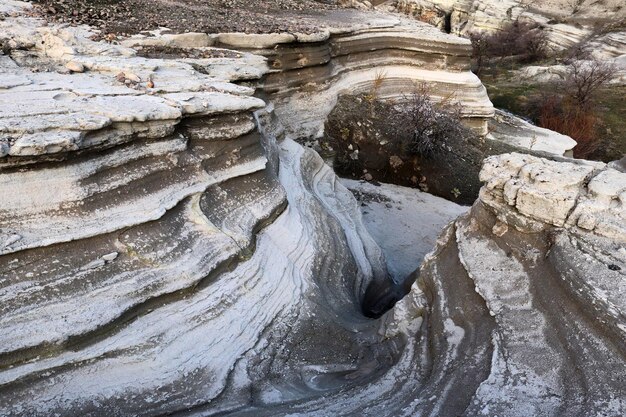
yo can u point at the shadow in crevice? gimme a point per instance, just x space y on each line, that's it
382 296
447 27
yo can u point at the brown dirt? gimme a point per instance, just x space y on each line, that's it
210 16
166 52
369 126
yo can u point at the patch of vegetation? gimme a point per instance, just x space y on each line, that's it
411 141
582 104
517 42
609 130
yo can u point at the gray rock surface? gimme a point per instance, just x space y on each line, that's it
171 250
566 22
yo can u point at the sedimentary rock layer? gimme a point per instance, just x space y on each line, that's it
375 53
385 62
167 249
566 23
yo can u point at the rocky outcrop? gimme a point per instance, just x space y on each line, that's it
167 248
521 286
142 209
393 59
355 51
510 129
565 22
98 166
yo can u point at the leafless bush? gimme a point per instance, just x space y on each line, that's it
480 48
524 41
561 114
569 106
425 126
585 78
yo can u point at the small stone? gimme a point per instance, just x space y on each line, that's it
11 240
93 265
4 149
500 228
74 66
395 162
132 77
587 221
368 177
110 256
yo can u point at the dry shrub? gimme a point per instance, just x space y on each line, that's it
570 106
525 42
427 126
565 116
585 78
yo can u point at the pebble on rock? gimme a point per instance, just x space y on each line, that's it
74 66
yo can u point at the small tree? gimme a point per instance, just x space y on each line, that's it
585 78
569 106
480 48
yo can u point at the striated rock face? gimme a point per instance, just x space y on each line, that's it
511 316
151 256
392 58
167 248
566 22
356 52
523 317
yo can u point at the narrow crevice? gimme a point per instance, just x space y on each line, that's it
381 297
448 23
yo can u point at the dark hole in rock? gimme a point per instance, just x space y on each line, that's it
448 23
381 297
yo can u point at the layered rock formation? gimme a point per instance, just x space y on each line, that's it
565 22
356 53
167 248
551 281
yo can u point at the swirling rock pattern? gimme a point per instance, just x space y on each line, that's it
167 248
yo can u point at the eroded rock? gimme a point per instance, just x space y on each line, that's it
175 251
